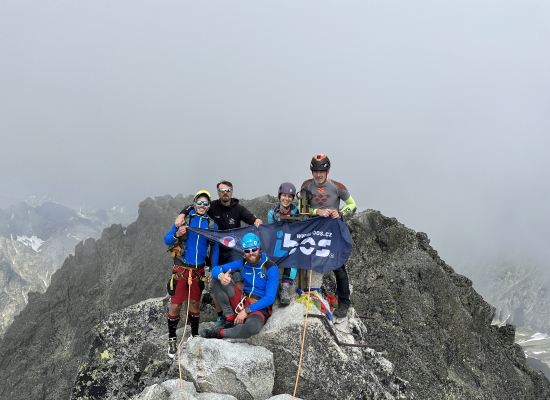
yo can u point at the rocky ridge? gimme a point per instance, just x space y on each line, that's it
35 239
436 330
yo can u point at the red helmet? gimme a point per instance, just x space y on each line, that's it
319 162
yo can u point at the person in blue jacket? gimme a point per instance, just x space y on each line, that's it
190 262
286 194
245 311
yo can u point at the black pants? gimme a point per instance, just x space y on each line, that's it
342 285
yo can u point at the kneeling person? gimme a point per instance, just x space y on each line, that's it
245 311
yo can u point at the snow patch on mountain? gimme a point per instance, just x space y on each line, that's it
536 336
32 241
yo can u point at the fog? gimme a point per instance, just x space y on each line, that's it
436 113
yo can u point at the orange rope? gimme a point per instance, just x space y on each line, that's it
303 340
189 282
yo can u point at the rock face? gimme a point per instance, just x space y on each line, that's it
128 356
49 340
434 327
519 291
34 241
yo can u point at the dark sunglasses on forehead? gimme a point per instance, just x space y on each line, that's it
202 202
251 250
225 190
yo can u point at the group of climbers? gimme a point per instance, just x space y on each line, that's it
244 290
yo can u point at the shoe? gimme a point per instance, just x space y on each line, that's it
284 294
227 324
212 333
172 347
220 321
341 311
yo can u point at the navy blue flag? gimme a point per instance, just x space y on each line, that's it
319 244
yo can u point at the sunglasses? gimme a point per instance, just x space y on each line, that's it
202 202
225 190
251 250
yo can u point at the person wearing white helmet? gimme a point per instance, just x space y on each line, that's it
286 194
326 195
245 311
189 261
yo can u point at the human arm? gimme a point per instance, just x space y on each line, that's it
173 234
350 206
222 269
270 217
249 218
181 217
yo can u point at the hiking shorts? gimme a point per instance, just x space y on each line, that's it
182 289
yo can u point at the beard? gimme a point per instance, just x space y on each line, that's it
253 258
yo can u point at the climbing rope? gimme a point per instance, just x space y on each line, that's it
189 283
303 340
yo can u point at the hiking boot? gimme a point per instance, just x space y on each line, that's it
212 333
341 311
284 294
219 321
172 347
226 324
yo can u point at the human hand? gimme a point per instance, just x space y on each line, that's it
179 220
241 317
181 230
334 214
258 222
225 278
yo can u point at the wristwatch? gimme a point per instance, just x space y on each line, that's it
247 310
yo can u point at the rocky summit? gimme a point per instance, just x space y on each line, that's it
98 330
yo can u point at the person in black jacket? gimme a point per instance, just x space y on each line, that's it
227 213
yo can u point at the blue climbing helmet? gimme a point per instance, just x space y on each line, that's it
250 240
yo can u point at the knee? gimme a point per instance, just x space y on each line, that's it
175 309
194 305
253 325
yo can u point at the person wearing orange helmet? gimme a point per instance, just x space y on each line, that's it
326 195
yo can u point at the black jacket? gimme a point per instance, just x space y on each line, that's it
227 217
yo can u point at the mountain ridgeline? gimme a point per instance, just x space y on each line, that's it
35 239
433 326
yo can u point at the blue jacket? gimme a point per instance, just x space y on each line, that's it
273 214
256 281
196 245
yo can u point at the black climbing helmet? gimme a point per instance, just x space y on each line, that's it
319 162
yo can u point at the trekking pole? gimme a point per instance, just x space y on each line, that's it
189 283
303 339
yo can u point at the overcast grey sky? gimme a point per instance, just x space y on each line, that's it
436 113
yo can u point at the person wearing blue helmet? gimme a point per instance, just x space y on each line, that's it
246 310
286 194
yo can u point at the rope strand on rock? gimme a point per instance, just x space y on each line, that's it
303 340
189 283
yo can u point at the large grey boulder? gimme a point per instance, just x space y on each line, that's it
328 370
239 369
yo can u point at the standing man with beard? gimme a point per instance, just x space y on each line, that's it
325 202
245 311
227 213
